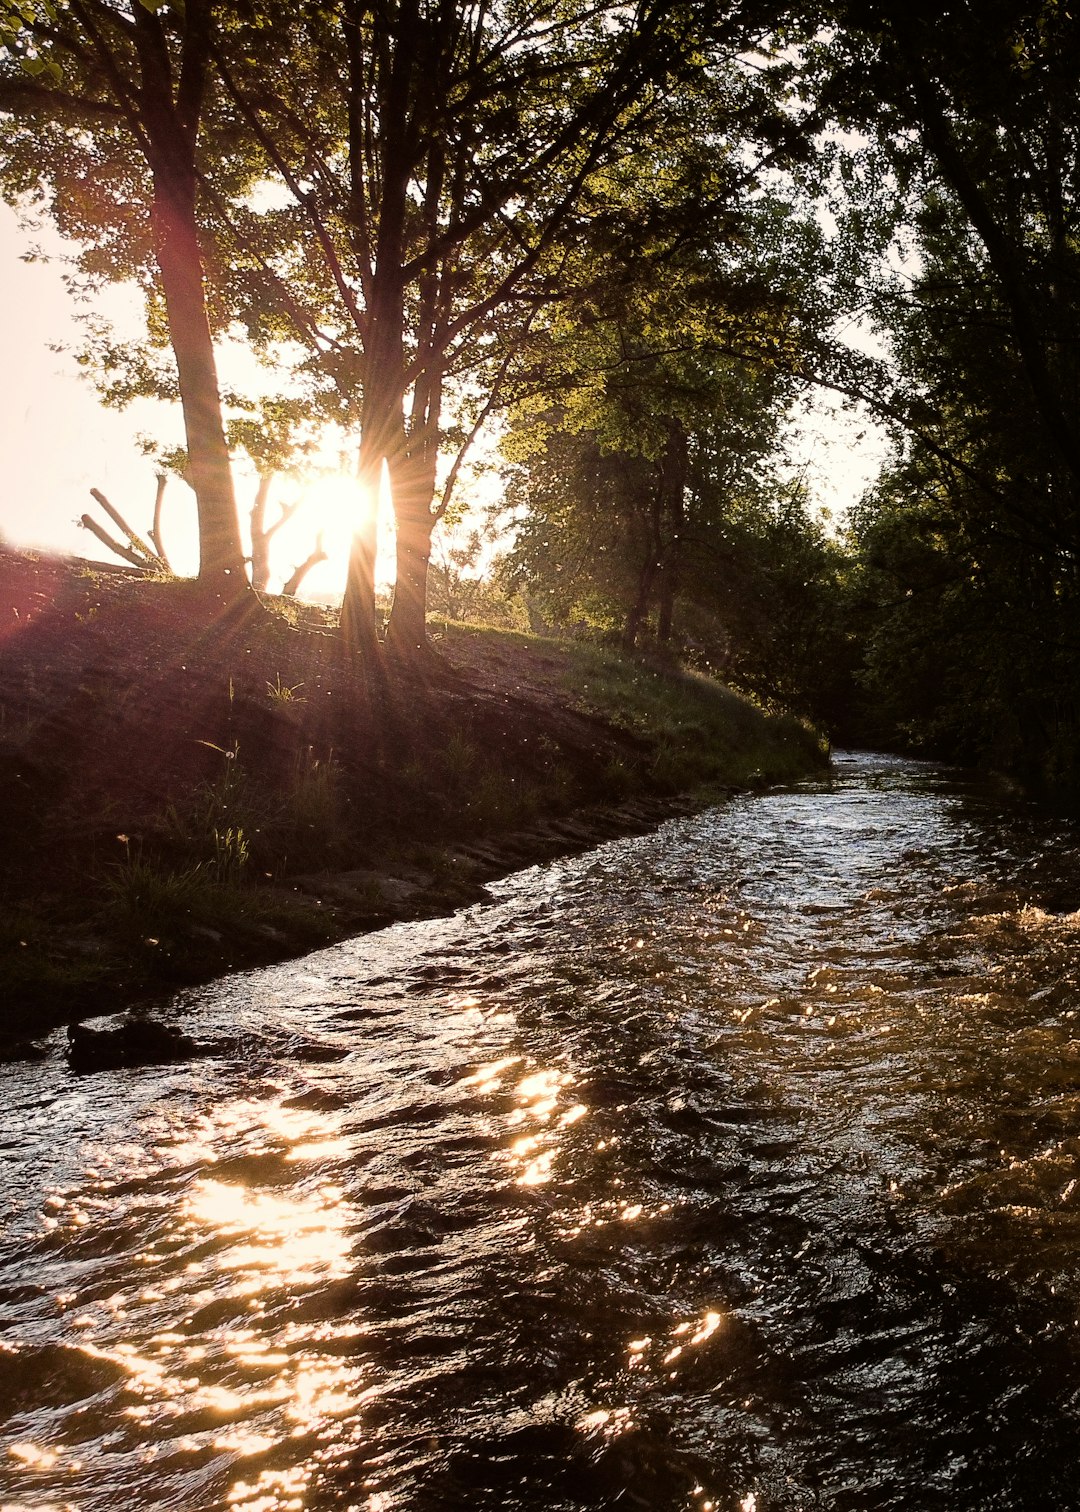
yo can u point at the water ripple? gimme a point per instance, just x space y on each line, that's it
736 1166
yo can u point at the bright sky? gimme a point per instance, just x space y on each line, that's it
838 453
59 442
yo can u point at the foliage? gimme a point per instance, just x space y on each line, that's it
970 631
646 484
758 578
965 584
460 589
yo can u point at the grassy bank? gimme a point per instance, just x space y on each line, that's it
183 796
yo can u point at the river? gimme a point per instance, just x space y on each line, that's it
730 1167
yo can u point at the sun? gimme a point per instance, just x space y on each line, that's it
339 503
332 506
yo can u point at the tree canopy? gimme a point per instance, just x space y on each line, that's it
631 236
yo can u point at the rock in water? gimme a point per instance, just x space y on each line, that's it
134 1042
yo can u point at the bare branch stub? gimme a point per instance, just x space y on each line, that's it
135 550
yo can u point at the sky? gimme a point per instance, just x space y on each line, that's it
59 441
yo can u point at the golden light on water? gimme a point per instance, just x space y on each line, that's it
538 1169
539 1097
705 1329
525 1273
249 1385
690 1334
244 1442
286 1236
34 1456
488 1078
316 1149
608 1421
271 1491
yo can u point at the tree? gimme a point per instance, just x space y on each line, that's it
664 387
973 112
443 159
967 584
102 108
967 553
436 163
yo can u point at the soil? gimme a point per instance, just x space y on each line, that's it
128 706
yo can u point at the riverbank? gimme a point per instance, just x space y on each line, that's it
182 797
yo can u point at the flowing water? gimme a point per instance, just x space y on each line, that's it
732 1167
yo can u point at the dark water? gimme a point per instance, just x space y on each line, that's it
734 1167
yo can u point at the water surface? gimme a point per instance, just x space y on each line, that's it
731 1167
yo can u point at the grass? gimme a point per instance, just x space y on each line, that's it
695 731
464 790
279 692
173 920
237 784
701 731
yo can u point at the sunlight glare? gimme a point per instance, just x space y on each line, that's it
335 505
540 1102
338 504
297 1237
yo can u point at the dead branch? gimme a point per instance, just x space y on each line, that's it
118 547
317 556
138 551
155 529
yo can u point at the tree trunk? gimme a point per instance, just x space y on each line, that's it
359 625
128 553
669 582
221 558
412 484
292 585
674 467
382 420
649 508
406 632
635 617
260 536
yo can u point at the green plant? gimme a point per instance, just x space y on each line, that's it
231 854
283 693
618 778
313 820
492 801
229 801
459 760
151 897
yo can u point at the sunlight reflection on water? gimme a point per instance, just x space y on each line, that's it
234 1390
731 1169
